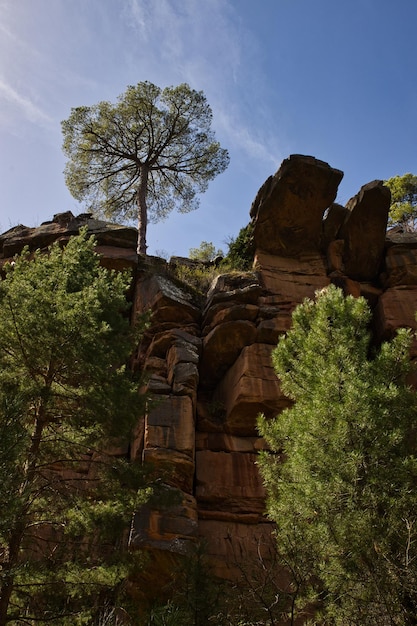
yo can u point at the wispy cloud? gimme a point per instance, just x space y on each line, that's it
30 110
258 147
207 45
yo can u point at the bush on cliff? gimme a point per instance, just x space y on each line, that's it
241 250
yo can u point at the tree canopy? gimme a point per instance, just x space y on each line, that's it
403 210
66 400
205 252
152 151
342 470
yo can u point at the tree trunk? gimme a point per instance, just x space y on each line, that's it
142 209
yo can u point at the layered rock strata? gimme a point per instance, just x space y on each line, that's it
208 362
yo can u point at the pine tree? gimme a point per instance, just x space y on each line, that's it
152 151
66 399
342 469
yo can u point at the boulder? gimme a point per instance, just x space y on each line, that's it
400 266
288 209
170 425
238 551
291 280
250 387
63 226
396 308
167 301
222 346
229 481
228 312
364 231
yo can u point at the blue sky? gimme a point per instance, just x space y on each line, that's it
333 79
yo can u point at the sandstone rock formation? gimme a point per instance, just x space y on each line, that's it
114 242
289 207
208 363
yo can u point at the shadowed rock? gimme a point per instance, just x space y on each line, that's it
364 231
289 207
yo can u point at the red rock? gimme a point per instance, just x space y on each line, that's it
229 481
238 288
231 546
222 442
222 346
63 226
158 385
396 308
332 223
269 331
228 312
182 351
250 387
165 299
364 231
291 280
401 266
335 256
289 207
171 467
166 529
118 259
185 377
170 424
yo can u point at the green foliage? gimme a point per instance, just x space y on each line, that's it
198 277
342 469
205 252
149 153
403 210
241 250
66 398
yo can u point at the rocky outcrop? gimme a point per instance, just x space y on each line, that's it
115 243
303 242
289 207
363 231
208 363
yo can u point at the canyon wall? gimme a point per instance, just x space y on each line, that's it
208 362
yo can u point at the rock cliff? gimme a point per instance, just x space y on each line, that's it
208 363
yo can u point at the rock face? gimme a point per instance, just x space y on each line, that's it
289 207
115 243
209 363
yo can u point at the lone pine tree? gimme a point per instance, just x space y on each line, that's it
149 153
